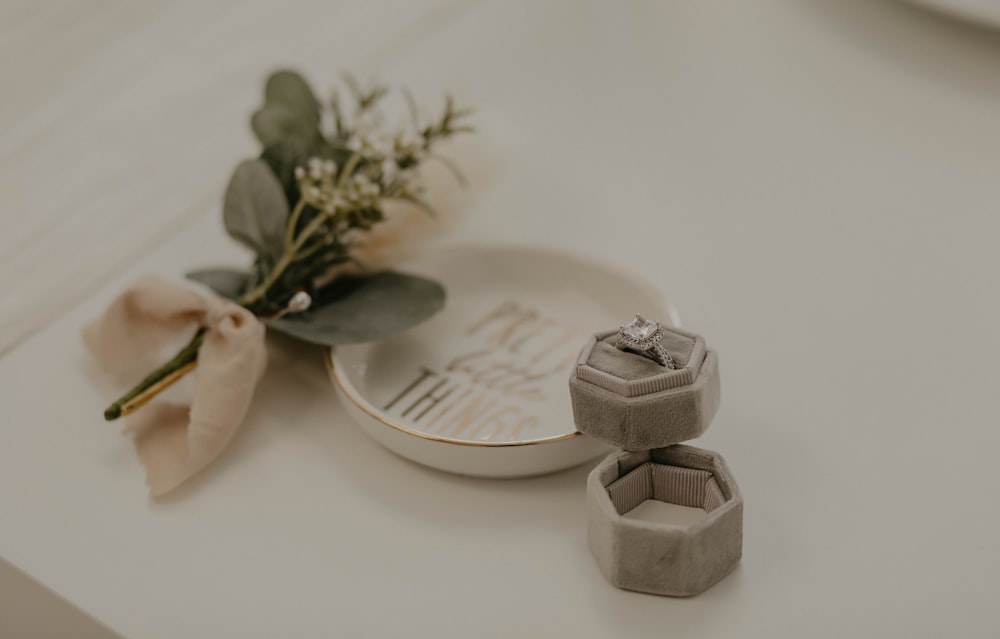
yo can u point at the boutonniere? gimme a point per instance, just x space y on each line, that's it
305 208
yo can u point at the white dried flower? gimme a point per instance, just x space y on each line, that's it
301 301
315 168
316 183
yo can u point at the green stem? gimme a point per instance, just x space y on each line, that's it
189 353
287 258
253 296
184 357
293 221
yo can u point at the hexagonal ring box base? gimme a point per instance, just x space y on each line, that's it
657 558
632 402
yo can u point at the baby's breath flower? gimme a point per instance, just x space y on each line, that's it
315 169
361 192
316 182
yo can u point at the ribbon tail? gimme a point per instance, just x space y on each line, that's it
175 444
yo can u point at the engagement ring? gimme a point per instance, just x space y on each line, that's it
643 336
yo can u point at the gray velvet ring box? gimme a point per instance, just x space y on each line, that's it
631 401
658 558
634 403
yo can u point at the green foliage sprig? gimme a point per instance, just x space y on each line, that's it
318 187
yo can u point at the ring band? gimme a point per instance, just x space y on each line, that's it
660 355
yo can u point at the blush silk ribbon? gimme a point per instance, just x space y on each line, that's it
174 441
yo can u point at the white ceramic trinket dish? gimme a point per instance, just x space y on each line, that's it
480 389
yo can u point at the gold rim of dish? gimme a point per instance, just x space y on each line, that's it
356 399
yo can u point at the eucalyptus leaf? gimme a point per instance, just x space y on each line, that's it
283 156
227 282
290 89
255 210
275 122
364 309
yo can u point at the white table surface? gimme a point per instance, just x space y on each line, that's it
817 184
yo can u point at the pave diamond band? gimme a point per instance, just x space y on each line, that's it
660 355
643 336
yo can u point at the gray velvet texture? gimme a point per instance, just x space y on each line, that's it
658 558
634 403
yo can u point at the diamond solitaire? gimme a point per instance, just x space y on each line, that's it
640 328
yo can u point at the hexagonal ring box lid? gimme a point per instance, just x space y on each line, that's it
660 558
629 400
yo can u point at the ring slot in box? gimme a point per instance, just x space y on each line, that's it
630 401
661 558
